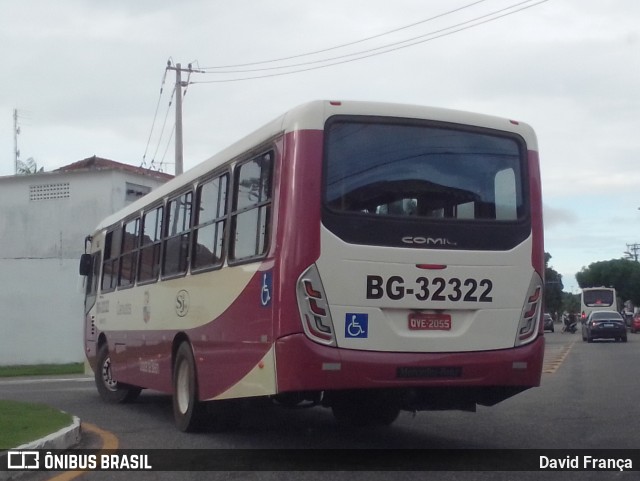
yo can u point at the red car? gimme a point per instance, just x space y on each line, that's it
635 323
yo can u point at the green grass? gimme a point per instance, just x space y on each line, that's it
42 370
21 422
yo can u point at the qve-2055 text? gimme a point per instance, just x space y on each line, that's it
436 289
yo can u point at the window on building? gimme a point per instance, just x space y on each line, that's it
49 191
135 191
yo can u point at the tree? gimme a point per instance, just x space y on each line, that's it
621 274
28 167
570 302
553 287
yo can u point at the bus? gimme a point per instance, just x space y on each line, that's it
597 299
365 257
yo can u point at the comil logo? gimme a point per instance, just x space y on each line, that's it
23 460
429 241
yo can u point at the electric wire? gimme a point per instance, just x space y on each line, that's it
153 123
164 124
166 149
384 47
349 44
329 62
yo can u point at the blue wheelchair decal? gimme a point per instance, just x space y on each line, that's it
267 286
356 325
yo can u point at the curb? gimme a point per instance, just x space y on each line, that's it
62 439
65 438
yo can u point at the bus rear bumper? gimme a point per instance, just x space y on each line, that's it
486 376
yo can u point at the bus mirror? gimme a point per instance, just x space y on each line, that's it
85 264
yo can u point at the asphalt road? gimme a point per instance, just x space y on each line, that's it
588 399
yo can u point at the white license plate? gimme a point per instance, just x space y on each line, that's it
429 322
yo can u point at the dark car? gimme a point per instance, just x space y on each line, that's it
548 322
604 325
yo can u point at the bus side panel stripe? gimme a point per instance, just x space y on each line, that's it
233 344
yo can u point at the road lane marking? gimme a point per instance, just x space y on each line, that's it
556 358
110 443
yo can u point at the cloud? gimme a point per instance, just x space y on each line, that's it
559 217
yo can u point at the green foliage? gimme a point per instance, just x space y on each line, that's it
570 302
21 422
42 370
621 274
553 287
29 167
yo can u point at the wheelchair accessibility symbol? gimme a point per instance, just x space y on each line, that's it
267 286
356 325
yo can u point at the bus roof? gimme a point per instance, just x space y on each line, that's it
312 116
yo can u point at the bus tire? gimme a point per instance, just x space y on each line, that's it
365 408
109 389
188 411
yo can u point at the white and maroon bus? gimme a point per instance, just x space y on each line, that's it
368 257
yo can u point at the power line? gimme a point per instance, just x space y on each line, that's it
349 44
164 124
384 47
155 116
329 62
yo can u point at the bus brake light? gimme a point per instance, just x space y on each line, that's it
530 316
314 308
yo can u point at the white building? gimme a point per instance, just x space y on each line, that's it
44 219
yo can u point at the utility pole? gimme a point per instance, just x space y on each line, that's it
179 149
16 131
179 86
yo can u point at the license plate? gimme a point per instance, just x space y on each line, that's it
429 322
608 325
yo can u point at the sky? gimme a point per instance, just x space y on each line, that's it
86 78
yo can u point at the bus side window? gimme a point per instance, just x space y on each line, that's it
110 261
92 281
149 261
130 239
210 222
505 195
176 243
252 208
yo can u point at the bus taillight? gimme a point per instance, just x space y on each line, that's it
531 311
314 309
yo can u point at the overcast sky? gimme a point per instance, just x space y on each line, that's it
85 77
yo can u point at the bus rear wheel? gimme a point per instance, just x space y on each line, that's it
188 412
109 389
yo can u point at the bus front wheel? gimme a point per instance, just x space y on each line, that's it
109 389
188 412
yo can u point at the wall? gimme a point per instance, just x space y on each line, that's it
41 239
